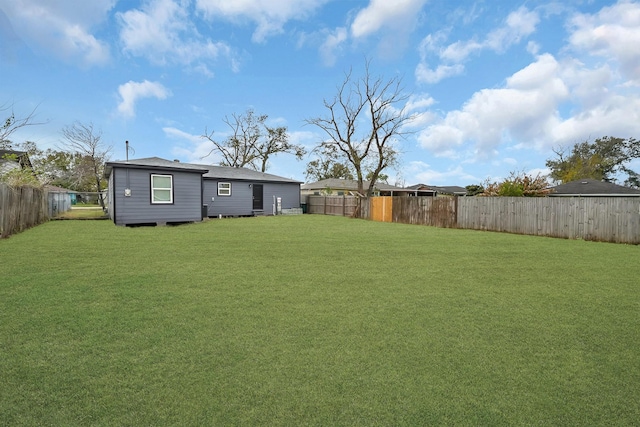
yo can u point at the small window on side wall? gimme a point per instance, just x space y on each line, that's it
161 189
224 189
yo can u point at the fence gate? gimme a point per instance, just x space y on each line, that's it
382 209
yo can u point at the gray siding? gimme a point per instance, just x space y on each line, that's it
138 209
110 197
241 200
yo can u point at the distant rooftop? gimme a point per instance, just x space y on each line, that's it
592 187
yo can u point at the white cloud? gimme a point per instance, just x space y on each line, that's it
419 102
62 28
391 22
426 75
423 173
192 148
525 109
552 101
163 32
269 16
399 15
614 34
131 92
618 115
332 43
518 25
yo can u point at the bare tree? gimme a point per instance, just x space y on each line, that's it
12 123
252 142
362 124
86 141
277 141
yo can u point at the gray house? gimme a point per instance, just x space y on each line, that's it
244 192
158 191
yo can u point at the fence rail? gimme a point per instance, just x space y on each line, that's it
332 205
607 219
21 208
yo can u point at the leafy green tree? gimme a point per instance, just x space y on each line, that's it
57 167
602 159
363 122
474 190
325 168
18 176
382 177
252 142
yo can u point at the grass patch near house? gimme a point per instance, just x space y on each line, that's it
93 212
314 320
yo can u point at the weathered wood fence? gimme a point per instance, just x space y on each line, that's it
21 208
607 219
332 205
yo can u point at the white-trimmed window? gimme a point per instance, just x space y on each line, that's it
161 189
224 189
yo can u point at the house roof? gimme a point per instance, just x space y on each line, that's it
4 152
54 189
347 185
592 187
22 157
447 189
153 163
208 171
243 174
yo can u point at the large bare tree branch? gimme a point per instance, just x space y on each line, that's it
86 141
362 124
12 123
252 143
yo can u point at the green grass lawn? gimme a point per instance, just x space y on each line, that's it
314 320
83 213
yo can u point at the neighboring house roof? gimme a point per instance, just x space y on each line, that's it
54 189
592 187
208 171
348 185
8 164
447 189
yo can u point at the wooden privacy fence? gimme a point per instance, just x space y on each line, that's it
606 219
434 211
332 205
21 208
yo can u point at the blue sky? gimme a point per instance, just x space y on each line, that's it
495 85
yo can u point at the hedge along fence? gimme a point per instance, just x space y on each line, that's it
606 219
21 208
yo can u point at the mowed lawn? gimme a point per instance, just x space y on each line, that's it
315 320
